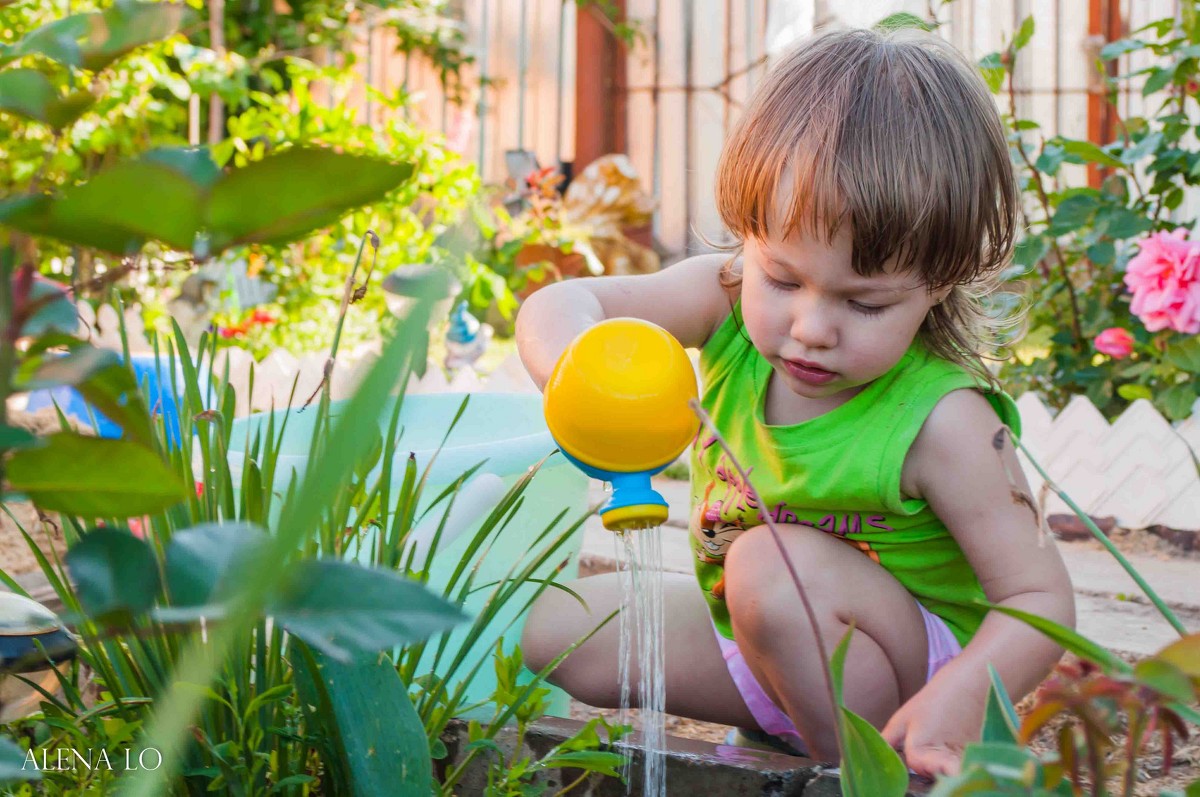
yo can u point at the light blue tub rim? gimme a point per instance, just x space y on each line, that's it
506 431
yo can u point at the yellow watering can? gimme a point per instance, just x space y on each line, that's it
617 406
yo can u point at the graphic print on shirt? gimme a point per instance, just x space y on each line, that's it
714 536
719 520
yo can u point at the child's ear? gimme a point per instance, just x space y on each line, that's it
941 294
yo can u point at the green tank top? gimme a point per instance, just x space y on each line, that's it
838 472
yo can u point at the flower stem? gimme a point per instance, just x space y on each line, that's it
1105 541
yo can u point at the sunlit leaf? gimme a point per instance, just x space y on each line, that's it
95 477
1000 721
374 740
114 573
870 767
14 763
1072 641
348 611
292 193
203 561
1184 654
114 391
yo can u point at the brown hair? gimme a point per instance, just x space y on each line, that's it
894 133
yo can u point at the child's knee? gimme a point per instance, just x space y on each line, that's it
760 591
538 638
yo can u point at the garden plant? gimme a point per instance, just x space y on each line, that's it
305 678
240 632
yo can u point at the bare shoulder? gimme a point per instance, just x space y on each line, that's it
957 440
686 298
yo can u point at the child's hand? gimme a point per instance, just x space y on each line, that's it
933 727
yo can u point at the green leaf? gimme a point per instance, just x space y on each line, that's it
1000 721
1133 392
1143 148
295 192
1120 47
992 69
1009 764
1185 355
143 198
1024 34
57 40
1072 641
55 313
1176 402
347 611
114 391
1050 159
95 477
29 93
837 664
15 437
202 562
1030 250
114 572
1102 254
870 767
375 742
1072 213
600 761
36 215
1166 679
1158 80
1119 223
1088 152
26 92
1184 654
903 19
127 26
14 763
71 368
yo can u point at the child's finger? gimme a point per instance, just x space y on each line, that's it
932 761
895 730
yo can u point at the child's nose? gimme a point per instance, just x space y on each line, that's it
813 327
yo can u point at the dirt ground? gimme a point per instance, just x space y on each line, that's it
16 557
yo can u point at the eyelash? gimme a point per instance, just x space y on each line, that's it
863 309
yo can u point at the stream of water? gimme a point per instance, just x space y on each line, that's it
639 563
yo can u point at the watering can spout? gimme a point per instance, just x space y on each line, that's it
617 405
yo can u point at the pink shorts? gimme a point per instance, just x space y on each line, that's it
943 646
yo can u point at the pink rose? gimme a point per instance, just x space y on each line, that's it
1115 342
1164 279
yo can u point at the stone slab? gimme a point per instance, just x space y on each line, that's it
693 767
1177 581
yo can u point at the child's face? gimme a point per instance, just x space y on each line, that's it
826 330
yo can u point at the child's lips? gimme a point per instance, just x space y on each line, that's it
809 373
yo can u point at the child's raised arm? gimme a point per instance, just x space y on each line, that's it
685 299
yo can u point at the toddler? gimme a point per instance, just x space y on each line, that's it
869 188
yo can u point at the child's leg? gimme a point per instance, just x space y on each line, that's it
888 656
698 685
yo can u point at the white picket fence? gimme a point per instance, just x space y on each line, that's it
1139 469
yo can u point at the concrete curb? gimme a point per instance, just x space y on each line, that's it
693 767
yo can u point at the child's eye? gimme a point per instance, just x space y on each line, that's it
868 309
775 284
